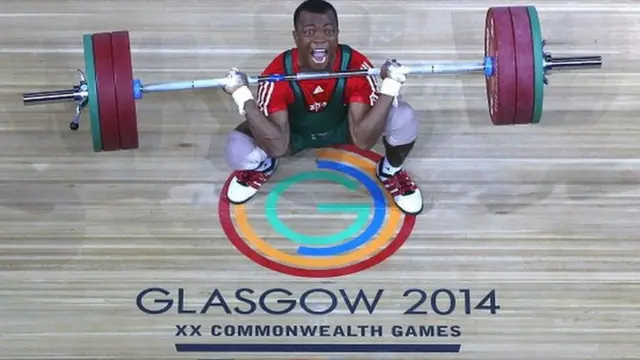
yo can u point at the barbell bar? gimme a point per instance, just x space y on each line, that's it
78 92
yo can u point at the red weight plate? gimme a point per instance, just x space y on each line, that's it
523 41
501 87
107 103
123 75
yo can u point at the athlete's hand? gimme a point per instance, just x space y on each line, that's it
392 78
391 69
238 87
235 80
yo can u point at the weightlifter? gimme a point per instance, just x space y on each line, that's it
288 117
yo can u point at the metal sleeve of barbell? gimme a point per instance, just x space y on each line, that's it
422 68
45 97
573 62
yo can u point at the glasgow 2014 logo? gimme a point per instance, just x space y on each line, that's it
379 230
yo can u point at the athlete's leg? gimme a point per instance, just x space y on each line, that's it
400 136
400 133
253 165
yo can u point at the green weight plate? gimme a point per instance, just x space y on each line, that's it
538 64
90 73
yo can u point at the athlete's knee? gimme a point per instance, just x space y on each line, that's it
242 153
402 125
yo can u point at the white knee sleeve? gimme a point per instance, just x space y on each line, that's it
402 125
242 153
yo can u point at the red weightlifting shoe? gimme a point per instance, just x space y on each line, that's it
404 191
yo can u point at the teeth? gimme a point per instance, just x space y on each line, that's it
319 55
320 61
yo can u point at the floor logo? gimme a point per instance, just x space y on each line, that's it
378 231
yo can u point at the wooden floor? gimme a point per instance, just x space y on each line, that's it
545 215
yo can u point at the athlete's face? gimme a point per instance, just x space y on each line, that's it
316 36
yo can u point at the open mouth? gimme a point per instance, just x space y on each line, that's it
319 56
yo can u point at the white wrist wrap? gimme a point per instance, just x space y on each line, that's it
241 96
390 87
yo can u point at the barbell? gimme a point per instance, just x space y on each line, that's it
515 66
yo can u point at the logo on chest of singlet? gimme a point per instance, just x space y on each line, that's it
318 106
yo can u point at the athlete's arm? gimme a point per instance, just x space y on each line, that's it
271 133
267 115
368 109
367 123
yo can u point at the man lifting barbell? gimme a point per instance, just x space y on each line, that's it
288 117
321 94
